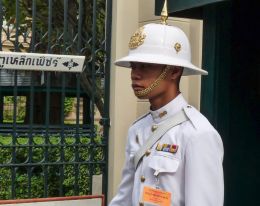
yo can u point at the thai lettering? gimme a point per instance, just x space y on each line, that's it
14 60
22 60
48 62
40 61
55 62
7 60
28 61
3 62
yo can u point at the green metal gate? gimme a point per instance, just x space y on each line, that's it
54 125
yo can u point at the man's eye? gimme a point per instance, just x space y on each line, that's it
133 65
140 65
143 66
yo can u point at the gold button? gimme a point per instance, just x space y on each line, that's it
148 152
142 178
141 204
154 127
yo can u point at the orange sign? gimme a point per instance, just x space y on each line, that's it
156 196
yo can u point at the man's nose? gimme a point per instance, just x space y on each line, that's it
135 73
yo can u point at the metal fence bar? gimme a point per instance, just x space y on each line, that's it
17 20
62 158
1 106
30 153
31 104
79 42
80 21
77 141
49 25
1 48
14 142
106 116
32 44
46 136
1 23
53 164
47 107
62 141
93 79
61 168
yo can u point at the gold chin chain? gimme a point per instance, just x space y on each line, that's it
147 90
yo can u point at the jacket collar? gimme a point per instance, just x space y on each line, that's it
169 109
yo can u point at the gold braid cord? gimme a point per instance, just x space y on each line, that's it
147 90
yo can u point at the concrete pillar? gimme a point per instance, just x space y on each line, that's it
123 103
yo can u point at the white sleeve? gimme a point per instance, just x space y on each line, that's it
124 194
204 184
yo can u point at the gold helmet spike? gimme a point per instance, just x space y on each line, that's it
164 13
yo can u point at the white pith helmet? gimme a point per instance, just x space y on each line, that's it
160 44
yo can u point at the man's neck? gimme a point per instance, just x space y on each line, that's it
158 102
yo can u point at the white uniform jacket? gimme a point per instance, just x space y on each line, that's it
193 173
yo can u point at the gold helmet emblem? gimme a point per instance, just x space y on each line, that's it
137 39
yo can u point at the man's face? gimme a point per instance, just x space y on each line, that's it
144 74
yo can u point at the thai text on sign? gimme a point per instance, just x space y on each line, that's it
41 62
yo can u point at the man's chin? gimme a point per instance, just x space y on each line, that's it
141 97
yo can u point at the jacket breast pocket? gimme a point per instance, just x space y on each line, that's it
162 162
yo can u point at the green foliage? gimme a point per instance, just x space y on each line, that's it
68 105
20 108
9 108
59 177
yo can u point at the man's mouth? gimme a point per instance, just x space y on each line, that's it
137 87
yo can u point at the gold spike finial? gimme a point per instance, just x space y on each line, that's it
164 13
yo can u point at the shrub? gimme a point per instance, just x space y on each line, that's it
68 105
62 179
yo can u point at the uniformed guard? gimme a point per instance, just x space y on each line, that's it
173 154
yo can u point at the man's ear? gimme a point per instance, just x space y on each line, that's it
176 72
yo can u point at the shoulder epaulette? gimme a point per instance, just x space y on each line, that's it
141 117
189 111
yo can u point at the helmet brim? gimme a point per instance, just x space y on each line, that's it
189 69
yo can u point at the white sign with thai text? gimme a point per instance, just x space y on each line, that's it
41 62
